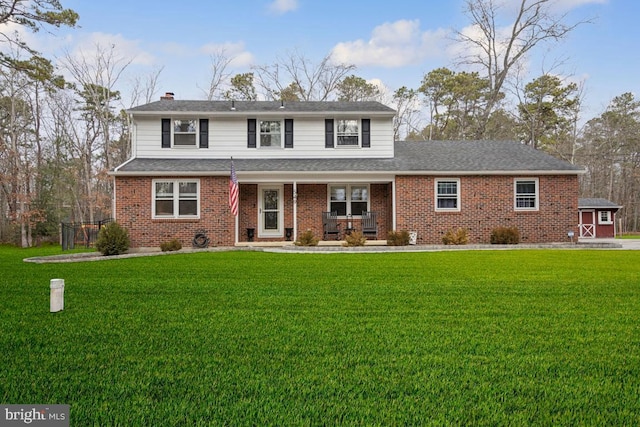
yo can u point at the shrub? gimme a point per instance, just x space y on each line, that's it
112 239
505 236
457 237
356 238
307 239
171 245
398 238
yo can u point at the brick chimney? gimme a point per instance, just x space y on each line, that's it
167 97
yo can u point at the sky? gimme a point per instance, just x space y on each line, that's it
393 42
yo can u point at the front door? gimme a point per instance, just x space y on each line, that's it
587 224
270 211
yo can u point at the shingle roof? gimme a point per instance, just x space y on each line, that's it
469 157
178 106
596 203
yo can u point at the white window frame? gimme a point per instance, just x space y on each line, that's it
357 134
348 200
259 134
535 196
438 196
175 197
174 132
608 220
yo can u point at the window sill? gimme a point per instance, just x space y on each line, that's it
175 219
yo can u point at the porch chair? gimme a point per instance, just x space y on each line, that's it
370 224
330 226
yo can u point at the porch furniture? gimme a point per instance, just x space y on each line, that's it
370 224
330 225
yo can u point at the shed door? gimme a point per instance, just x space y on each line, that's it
587 224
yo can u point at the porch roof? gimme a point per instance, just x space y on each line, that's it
411 158
596 203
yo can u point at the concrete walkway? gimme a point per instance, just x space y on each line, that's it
624 244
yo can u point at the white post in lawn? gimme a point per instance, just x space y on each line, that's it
56 302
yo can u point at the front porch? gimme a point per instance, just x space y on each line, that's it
277 213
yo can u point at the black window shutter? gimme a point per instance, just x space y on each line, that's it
288 133
328 133
204 133
166 133
251 133
366 133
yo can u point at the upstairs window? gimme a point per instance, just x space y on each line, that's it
184 132
447 195
270 133
526 194
347 134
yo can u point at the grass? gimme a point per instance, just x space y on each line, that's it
526 337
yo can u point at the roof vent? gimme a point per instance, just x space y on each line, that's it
167 96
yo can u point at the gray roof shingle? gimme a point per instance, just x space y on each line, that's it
596 203
468 157
213 107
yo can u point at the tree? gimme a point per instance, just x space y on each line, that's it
32 15
354 88
406 120
455 101
496 51
95 78
546 112
297 75
610 150
219 75
242 88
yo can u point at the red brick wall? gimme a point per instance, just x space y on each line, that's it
487 202
133 212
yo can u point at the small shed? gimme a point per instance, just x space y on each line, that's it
597 218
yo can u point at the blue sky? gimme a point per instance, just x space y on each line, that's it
395 42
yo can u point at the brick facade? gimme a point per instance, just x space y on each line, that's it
134 212
486 202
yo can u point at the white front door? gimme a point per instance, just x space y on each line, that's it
270 211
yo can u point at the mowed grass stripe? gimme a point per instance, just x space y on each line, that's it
533 337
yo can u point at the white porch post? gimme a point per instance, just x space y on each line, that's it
393 203
295 211
237 221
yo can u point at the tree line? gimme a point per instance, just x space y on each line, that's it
60 137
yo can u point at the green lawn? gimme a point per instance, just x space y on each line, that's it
525 337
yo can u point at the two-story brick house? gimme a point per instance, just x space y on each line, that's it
296 160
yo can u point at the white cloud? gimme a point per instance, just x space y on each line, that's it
566 5
283 6
392 44
240 58
123 48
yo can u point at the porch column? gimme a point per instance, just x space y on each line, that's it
295 211
393 204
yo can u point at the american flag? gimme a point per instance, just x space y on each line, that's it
233 191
